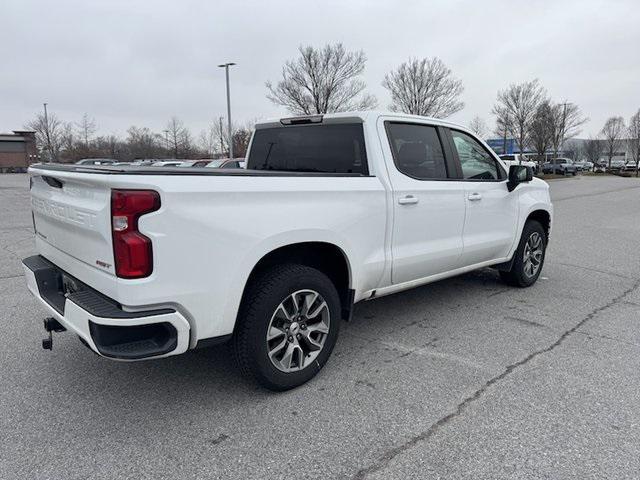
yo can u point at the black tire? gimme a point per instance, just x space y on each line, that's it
261 299
516 276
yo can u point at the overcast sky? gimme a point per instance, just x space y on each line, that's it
140 62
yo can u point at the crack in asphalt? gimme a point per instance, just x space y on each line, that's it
597 270
388 456
12 276
591 335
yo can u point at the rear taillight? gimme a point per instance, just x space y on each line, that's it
132 251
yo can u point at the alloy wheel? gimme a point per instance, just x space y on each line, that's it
533 252
297 330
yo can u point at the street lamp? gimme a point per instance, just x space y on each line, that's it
226 71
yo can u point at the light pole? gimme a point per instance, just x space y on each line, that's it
46 131
226 71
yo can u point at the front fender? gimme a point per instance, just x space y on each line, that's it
533 197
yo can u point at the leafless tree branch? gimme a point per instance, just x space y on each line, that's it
322 81
518 103
424 87
612 132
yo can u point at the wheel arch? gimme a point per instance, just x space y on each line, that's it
326 257
544 218
538 212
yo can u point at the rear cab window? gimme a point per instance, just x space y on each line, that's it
324 148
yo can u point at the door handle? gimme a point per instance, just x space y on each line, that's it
408 200
474 197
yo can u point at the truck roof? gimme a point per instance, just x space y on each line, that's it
352 116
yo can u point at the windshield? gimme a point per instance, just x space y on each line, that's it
332 148
215 163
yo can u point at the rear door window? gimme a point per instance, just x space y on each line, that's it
417 151
328 148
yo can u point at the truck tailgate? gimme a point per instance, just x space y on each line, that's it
73 216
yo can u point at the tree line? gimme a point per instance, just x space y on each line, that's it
67 141
330 79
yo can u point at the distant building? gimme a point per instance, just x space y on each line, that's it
17 150
578 147
503 146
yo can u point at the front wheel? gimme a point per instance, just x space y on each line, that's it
528 258
287 326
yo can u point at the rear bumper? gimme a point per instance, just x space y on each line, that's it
102 323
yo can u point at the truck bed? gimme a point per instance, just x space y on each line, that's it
198 171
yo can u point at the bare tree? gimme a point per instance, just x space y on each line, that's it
612 132
87 127
187 147
478 126
142 142
241 139
209 140
321 81
177 135
593 150
634 139
519 103
565 122
48 135
541 129
215 139
503 125
70 148
424 87
110 146
67 137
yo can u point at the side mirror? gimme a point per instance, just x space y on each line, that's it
519 174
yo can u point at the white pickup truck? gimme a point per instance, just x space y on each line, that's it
145 262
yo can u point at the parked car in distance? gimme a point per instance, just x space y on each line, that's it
142 162
216 163
235 163
561 166
517 159
167 163
583 166
203 162
193 163
332 210
630 166
600 166
96 161
616 165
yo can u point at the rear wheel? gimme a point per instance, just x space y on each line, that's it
528 258
287 326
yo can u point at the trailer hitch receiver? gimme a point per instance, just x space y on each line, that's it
51 325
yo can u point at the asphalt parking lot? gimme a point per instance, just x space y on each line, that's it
465 378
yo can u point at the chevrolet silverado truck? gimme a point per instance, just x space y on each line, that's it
148 262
